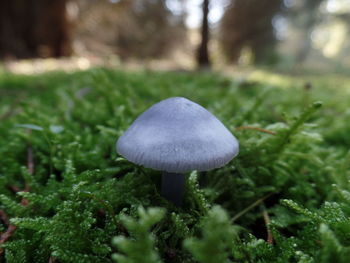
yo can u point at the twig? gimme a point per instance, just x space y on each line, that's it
6 235
4 217
24 202
256 128
30 167
14 188
30 162
52 259
9 231
250 207
267 223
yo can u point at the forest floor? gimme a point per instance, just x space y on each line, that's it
66 196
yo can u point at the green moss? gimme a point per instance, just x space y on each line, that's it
293 165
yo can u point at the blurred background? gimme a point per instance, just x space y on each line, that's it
286 35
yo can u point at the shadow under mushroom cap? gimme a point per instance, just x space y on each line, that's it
178 135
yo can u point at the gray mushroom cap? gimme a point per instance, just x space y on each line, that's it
177 135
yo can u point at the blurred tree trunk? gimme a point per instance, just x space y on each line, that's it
203 53
34 28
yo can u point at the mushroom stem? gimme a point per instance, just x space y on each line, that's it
173 187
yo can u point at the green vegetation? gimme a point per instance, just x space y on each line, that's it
70 198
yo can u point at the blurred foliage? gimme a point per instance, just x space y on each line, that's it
141 29
289 34
85 204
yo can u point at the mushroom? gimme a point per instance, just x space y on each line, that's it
176 136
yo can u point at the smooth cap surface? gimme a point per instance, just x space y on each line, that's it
177 135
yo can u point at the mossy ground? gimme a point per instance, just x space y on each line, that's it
70 198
